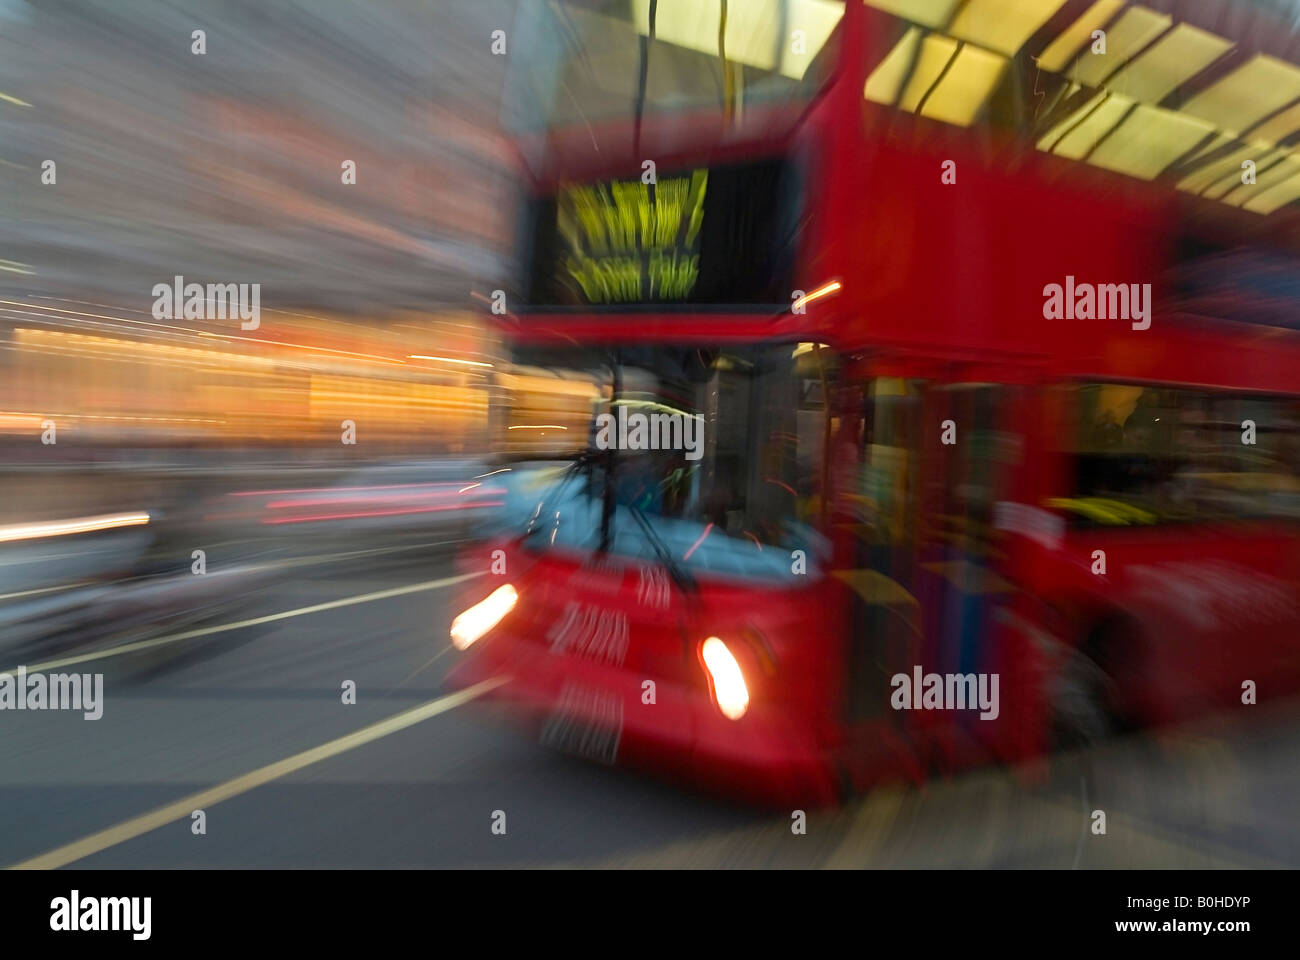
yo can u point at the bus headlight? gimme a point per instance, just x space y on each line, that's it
483 616
725 678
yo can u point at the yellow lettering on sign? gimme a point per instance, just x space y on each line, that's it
622 241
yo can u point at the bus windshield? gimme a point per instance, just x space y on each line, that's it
581 62
718 450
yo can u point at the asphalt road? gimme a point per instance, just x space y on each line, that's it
248 724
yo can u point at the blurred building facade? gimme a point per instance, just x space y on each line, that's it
229 166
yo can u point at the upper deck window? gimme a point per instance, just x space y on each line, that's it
585 62
1121 86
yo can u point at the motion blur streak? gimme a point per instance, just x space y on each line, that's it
468 363
36 531
387 498
353 515
382 486
825 290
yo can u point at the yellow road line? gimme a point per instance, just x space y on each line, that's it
130 829
40 590
255 621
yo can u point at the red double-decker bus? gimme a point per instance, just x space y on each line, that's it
947 382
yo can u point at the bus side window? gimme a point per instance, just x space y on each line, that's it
1149 455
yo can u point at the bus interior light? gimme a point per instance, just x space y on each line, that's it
1127 36
1001 26
483 616
1058 54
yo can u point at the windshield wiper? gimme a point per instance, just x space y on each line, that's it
607 499
580 463
680 575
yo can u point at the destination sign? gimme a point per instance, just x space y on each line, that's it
629 241
703 236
